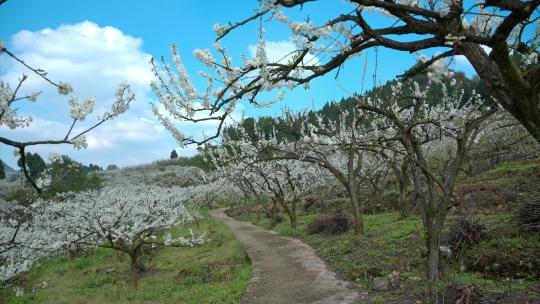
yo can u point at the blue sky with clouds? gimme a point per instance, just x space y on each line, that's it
95 45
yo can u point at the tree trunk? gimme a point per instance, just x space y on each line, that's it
403 208
293 215
401 176
358 222
433 229
137 266
274 213
378 196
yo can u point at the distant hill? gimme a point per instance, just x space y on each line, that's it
331 110
9 171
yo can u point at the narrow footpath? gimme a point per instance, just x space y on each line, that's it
285 270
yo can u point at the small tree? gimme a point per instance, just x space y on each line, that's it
112 167
36 165
336 147
285 182
174 155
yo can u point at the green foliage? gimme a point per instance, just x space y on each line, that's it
198 161
69 175
66 175
22 196
507 256
34 163
174 155
217 272
91 168
509 169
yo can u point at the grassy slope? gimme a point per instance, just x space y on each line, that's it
216 272
392 244
397 245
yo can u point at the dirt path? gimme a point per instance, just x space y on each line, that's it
285 270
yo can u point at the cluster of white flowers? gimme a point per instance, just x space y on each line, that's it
451 40
64 88
219 29
80 109
80 142
205 56
55 157
8 116
438 70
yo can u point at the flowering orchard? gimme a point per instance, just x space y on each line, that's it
408 130
285 182
431 135
122 216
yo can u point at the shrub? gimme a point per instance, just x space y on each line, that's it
463 294
464 233
170 179
528 215
335 224
517 257
235 211
310 204
279 218
23 196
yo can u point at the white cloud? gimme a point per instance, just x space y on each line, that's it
83 54
94 60
461 63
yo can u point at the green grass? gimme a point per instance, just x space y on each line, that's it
216 272
507 172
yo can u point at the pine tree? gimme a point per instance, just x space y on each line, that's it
174 155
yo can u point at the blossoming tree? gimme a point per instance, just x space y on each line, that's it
337 147
286 182
435 136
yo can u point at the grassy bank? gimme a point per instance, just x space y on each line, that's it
394 245
216 272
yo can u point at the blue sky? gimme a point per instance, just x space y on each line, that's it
69 39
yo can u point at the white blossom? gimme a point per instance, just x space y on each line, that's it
80 109
80 143
219 29
64 88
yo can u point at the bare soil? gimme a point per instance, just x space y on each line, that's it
285 270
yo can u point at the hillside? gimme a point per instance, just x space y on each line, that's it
501 268
267 125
